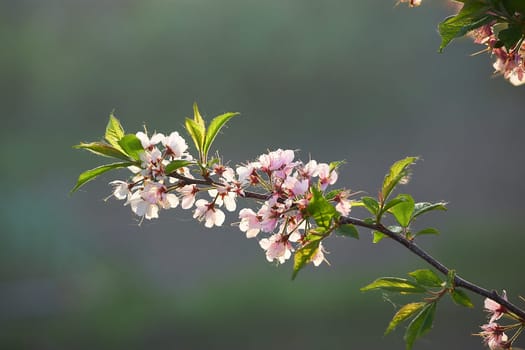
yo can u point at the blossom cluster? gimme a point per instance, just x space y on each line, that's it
281 184
509 62
492 333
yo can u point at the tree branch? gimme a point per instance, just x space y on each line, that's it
409 244
458 281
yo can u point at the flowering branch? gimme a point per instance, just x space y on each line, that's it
297 212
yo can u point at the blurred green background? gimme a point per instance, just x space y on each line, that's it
353 80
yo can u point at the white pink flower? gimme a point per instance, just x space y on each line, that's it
120 189
277 247
250 222
175 145
494 337
188 193
318 257
343 205
149 143
494 309
208 212
146 202
326 176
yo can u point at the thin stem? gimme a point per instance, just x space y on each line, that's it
458 281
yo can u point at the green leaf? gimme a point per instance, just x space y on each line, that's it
420 325
473 15
423 207
510 36
103 149
334 165
131 145
347 230
176 164
393 203
89 175
428 231
213 129
451 276
333 193
196 128
398 171
461 298
197 116
304 255
378 237
426 278
402 314
395 284
371 204
114 132
196 132
320 209
403 210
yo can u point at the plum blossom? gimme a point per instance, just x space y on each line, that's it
509 62
224 196
209 213
494 309
411 3
149 143
343 204
146 202
494 337
278 247
318 257
188 193
120 189
250 222
175 145
326 176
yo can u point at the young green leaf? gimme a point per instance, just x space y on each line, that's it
510 36
402 314
176 164
395 284
304 255
371 204
403 210
196 132
213 129
428 231
89 175
114 132
461 298
321 210
423 207
197 116
103 149
398 171
472 15
420 325
426 278
451 276
378 237
131 145
393 203
334 165
347 230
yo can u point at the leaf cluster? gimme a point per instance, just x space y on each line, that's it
477 13
421 313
